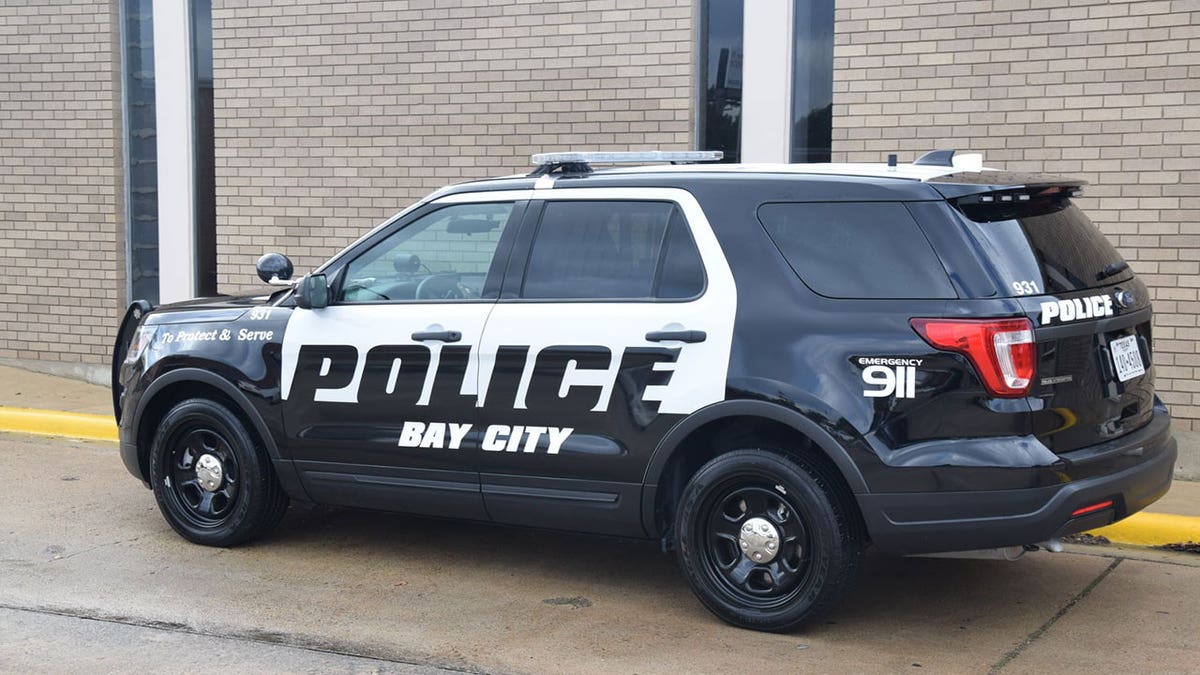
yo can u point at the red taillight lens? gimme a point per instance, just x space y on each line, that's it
1001 350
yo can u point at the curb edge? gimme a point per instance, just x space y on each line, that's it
84 426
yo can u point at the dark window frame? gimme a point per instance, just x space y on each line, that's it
514 282
950 291
338 267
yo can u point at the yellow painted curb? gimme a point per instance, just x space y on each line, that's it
54 423
1152 529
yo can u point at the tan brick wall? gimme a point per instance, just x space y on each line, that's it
1101 89
60 181
331 116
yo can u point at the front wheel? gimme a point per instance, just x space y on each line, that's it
767 542
213 483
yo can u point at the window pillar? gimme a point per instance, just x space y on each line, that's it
767 82
174 101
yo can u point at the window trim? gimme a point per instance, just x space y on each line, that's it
902 203
504 248
518 264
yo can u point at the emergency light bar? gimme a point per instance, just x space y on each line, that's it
627 157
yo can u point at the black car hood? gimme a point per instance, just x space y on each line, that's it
207 310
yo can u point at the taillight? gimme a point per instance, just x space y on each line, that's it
1001 350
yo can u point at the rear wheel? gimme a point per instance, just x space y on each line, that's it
213 483
766 541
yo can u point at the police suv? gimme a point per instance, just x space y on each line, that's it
767 368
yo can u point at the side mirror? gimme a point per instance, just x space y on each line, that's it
312 292
274 269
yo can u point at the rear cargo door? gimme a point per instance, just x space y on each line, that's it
1091 315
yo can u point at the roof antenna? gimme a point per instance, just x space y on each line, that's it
891 162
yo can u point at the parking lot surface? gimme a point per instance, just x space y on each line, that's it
92 577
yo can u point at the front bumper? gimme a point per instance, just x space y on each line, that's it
933 522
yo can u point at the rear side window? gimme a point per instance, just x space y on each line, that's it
593 250
857 250
1044 246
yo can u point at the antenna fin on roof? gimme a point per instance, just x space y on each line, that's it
936 158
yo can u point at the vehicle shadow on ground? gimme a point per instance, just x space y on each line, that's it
902 596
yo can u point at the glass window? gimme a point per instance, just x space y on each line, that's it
141 150
205 149
1045 240
613 250
445 255
857 250
721 77
812 81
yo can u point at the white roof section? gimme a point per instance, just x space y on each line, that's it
919 172
916 172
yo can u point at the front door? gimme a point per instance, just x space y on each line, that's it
616 325
380 388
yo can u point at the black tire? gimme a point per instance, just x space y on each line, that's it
248 501
818 539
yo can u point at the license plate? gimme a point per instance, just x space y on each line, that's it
1127 358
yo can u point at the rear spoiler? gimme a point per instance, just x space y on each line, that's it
964 183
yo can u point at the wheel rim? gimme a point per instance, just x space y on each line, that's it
756 544
203 480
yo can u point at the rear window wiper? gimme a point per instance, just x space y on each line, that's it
1112 269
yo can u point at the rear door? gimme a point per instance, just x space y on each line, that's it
615 322
1091 315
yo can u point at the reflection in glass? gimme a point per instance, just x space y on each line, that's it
205 149
812 81
720 107
141 149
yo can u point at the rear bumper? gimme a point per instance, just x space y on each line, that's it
931 522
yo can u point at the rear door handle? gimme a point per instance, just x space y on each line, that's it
438 335
677 335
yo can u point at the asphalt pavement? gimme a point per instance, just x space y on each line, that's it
92 578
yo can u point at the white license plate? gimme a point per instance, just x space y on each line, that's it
1127 358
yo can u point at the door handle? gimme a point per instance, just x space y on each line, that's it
678 335
438 335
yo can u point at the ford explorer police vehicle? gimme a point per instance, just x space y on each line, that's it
767 368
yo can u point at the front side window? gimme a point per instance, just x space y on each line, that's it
590 250
445 255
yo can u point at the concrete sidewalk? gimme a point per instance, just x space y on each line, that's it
25 396
93 579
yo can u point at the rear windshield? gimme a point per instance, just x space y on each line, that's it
857 250
1046 246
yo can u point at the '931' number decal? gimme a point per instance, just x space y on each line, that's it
1025 288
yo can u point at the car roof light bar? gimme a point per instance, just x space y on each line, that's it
638 157
580 162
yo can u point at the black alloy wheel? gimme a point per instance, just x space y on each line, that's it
213 483
767 541
755 544
204 475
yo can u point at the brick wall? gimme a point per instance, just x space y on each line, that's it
1101 89
60 181
331 116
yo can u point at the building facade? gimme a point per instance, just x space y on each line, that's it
156 148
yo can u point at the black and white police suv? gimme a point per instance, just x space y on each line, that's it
765 367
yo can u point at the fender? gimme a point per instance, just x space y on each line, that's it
283 466
215 381
751 408
743 408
